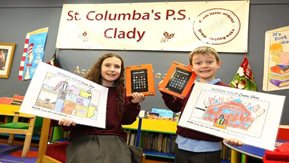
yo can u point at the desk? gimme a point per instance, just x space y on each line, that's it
256 152
248 150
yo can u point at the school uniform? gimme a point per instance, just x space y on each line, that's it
92 144
193 146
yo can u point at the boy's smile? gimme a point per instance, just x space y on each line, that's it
205 66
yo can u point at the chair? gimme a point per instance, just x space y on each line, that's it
283 132
16 127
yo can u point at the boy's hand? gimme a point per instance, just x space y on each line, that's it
160 83
66 122
232 141
137 97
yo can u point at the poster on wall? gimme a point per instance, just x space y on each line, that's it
152 26
56 94
276 60
33 53
234 113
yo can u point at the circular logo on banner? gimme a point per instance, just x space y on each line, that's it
216 26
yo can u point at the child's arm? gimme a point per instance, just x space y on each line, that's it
173 103
132 108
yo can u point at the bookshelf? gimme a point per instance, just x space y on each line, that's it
156 137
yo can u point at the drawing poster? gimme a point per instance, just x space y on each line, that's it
276 59
249 116
55 93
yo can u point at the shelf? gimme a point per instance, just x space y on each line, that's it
154 125
159 154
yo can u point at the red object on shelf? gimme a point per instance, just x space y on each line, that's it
6 100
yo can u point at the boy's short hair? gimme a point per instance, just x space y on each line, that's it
204 50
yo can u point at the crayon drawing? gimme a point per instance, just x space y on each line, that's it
234 113
62 94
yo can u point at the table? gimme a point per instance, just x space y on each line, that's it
256 152
247 150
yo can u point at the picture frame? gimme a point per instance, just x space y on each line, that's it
7 50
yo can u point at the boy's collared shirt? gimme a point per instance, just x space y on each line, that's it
193 145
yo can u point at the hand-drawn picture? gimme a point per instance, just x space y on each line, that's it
62 94
225 111
276 63
233 113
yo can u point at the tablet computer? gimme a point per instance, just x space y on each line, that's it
139 78
178 80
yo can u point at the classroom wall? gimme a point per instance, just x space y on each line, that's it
18 17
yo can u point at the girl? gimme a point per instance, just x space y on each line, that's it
91 144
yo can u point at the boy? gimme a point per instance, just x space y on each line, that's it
194 146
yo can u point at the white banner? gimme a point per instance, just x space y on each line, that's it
169 26
249 116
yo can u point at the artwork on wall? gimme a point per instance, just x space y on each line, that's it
234 113
276 59
6 57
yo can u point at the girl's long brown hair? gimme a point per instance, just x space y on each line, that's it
95 75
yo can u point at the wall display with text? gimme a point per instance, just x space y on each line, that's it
249 116
178 80
127 26
140 78
276 60
56 94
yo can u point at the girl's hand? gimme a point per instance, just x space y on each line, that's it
137 97
66 122
235 142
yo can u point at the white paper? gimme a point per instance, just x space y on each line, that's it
56 94
251 117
